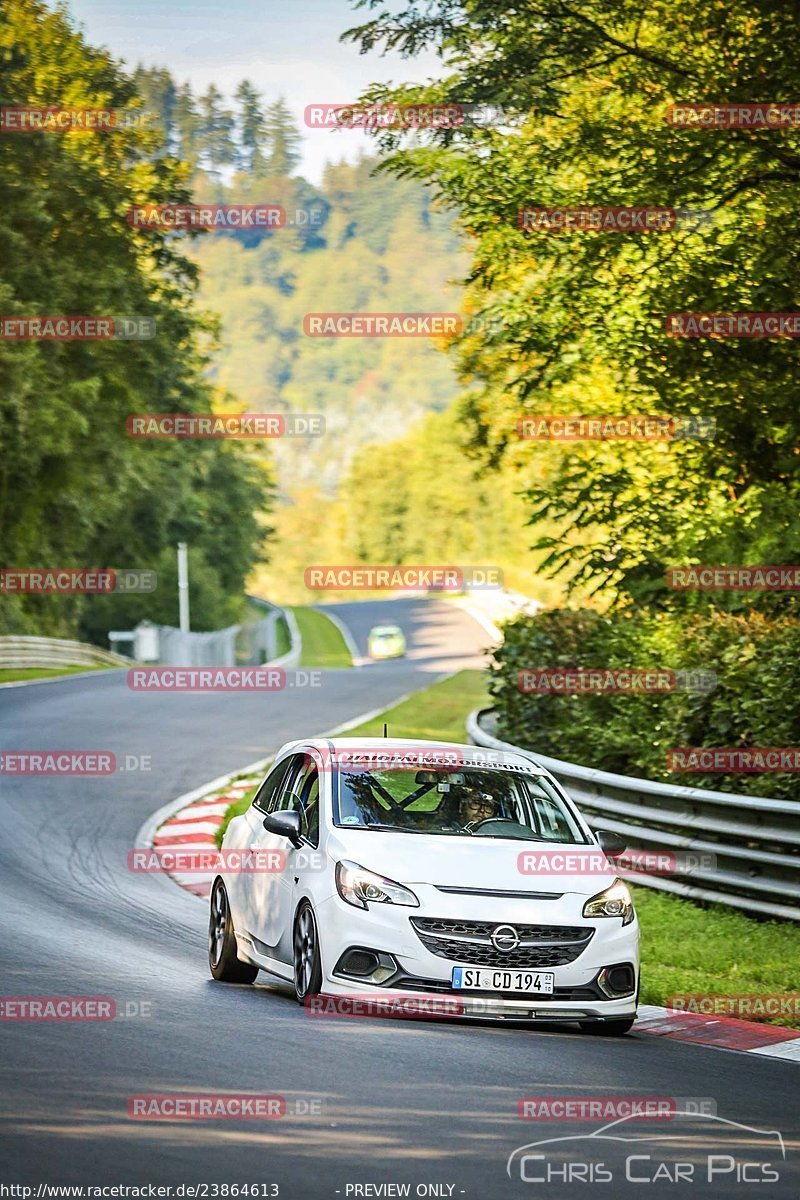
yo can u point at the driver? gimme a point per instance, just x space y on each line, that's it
475 806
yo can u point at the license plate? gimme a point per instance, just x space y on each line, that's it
486 979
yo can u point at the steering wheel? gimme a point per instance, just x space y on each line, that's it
491 821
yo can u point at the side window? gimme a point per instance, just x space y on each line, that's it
289 782
301 793
265 797
310 801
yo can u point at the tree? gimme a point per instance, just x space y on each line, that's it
283 139
75 489
585 90
187 125
157 88
252 129
216 125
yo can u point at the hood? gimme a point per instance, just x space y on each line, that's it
483 863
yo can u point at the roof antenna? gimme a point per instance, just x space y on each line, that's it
385 730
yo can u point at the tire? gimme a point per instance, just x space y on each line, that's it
222 958
608 1028
306 954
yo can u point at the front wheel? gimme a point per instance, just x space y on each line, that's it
608 1028
222 958
307 959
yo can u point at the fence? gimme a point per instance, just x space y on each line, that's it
249 644
745 850
19 653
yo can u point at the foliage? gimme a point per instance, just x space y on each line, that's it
585 89
75 490
756 701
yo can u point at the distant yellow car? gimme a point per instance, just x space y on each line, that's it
386 641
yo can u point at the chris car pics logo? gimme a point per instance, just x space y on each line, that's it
687 1148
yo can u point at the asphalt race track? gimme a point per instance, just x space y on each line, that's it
371 1102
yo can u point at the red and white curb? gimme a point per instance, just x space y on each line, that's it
728 1033
191 822
194 828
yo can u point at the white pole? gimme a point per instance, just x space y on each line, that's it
183 587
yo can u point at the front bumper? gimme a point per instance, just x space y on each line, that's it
380 652
419 973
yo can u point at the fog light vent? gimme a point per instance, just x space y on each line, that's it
619 980
359 962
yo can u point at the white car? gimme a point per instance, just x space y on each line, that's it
403 869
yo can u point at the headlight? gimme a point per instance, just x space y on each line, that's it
359 886
615 901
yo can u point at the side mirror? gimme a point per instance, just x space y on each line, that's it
284 824
612 844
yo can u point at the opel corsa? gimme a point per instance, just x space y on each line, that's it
418 870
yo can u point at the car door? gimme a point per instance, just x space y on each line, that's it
268 888
301 795
248 889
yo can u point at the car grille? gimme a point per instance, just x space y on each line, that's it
469 943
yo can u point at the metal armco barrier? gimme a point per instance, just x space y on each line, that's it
742 851
17 653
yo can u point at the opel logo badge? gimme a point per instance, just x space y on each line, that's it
505 938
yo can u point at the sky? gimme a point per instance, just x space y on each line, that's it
289 48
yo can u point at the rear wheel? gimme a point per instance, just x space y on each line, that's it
222 958
608 1028
307 958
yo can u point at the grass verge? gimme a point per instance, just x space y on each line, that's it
323 644
283 639
13 675
438 713
688 949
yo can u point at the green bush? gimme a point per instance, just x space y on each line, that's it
755 656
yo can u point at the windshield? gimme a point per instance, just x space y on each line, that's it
494 803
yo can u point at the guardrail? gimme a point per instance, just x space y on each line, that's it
17 653
742 851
